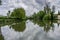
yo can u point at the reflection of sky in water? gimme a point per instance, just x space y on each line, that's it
29 5
32 32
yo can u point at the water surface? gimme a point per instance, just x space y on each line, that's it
30 30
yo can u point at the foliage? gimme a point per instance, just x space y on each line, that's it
47 17
19 26
18 13
1 37
46 14
40 15
46 24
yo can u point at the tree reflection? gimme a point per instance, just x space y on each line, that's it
16 25
1 37
19 26
46 24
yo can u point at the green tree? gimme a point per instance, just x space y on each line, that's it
18 13
40 15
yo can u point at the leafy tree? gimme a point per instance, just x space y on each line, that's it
40 15
18 13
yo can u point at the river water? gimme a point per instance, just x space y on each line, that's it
30 30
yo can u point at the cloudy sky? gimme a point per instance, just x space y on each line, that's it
30 6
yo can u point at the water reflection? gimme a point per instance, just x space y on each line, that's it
6 27
46 24
31 30
1 37
19 26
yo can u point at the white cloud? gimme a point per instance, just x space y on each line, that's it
29 5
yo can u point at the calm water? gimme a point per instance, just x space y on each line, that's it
30 30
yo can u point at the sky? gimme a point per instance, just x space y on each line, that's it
30 6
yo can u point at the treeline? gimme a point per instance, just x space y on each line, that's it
19 13
46 14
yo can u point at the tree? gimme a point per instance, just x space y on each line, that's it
40 15
18 13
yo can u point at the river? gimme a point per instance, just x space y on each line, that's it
31 30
